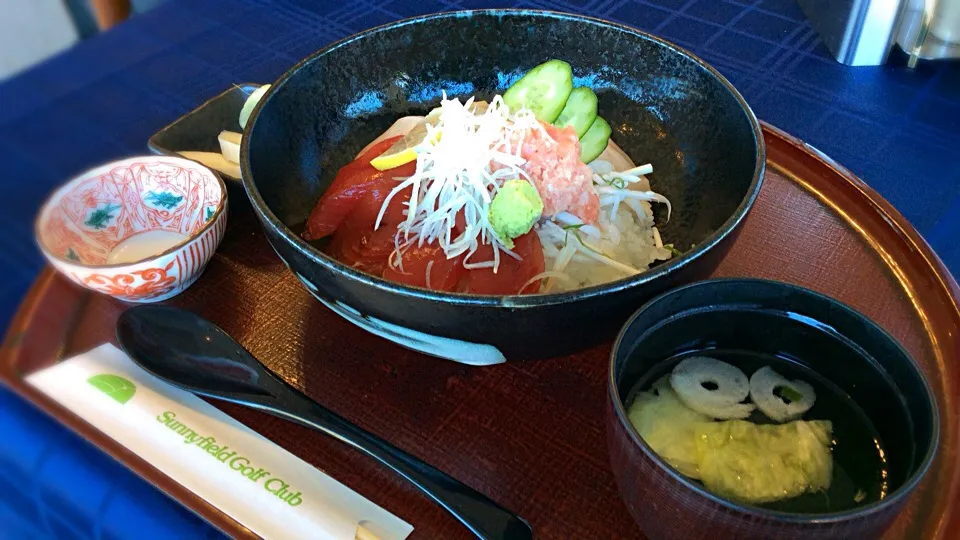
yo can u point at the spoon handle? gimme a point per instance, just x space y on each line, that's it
483 517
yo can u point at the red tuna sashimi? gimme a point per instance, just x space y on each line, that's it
512 274
428 267
349 187
356 243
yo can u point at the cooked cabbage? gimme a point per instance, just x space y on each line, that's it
763 463
668 426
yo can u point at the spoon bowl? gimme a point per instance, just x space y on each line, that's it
190 352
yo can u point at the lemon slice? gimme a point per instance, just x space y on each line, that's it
405 150
402 152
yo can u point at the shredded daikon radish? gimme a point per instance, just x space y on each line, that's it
427 273
656 237
571 237
461 163
631 194
547 274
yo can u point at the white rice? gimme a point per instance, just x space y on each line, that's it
627 239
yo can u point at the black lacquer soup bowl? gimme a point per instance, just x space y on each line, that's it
811 336
665 106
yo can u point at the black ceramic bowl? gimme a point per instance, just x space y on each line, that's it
666 107
768 318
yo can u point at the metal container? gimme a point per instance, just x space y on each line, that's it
863 32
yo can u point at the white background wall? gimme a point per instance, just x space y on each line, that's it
31 30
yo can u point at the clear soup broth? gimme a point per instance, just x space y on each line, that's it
859 461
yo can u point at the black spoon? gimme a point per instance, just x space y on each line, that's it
194 354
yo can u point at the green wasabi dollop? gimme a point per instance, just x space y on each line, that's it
514 210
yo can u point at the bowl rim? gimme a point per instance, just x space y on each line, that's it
893 498
528 301
101 169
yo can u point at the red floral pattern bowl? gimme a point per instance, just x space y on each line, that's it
141 229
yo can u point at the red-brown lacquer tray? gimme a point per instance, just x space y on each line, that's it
529 434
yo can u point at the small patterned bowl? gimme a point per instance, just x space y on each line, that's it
141 229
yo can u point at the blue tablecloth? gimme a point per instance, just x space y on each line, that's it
896 128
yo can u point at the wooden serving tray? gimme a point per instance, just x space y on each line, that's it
528 434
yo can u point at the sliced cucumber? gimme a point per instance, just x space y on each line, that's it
580 110
595 140
250 103
544 90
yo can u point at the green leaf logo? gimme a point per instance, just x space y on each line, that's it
118 388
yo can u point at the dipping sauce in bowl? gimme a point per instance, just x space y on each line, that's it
750 409
143 245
